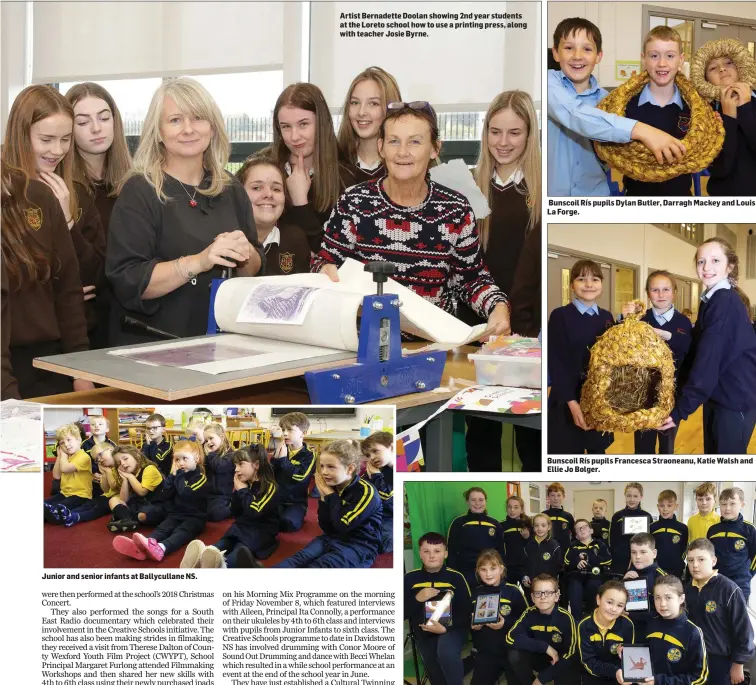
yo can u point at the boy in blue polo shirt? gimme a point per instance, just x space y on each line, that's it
574 121
660 104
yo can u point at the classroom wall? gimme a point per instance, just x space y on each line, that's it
748 285
13 62
621 25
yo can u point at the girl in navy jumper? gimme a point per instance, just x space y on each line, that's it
471 533
720 370
678 652
349 514
378 448
490 639
220 472
674 329
572 331
186 490
514 540
255 508
544 555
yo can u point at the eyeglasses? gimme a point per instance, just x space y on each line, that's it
153 428
545 594
419 105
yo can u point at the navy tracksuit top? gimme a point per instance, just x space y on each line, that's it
735 543
598 651
671 538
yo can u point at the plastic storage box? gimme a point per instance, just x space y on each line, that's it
511 361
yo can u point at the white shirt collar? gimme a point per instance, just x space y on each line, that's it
273 238
515 177
663 317
723 284
368 167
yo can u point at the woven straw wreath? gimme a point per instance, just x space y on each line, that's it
703 141
628 353
724 47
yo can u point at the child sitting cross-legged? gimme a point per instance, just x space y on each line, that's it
185 496
74 471
255 507
349 514
141 486
110 484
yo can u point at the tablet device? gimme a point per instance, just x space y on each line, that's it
637 595
636 663
631 525
486 609
438 609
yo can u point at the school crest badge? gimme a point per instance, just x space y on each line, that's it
491 532
674 655
739 544
711 607
556 637
286 262
546 556
605 535
675 539
683 123
506 610
564 526
613 648
34 217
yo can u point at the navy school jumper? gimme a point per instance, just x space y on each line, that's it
733 172
468 536
545 556
678 652
600 529
671 538
598 650
619 544
293 476
185 497
161 453
255 519
514 548
735 545
384 484
571 336
642 617
562 525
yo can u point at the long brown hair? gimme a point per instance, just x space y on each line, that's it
23 257
117 156
256 454
348 139
530 163
326 180
34 104
732 260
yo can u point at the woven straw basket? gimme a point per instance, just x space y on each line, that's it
631 378
724 47
703 141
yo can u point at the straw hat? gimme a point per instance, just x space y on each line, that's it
703 141
724 47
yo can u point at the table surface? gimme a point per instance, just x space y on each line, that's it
288 391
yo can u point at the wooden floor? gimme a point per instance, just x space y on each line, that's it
689 438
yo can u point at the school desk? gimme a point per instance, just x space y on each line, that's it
410 409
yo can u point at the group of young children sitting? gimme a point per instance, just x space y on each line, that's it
177 488
585 600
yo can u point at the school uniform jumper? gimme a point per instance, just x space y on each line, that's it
293 474
255 523
600 529
161 453
642 617
351 525
720 372
671 538
514 549
545 556
562 525
491 659
619 544
220 474
679 326
532 635
735 543
384 484
719 609
674 119
468 536
58 323
598 648
286 251
187 510
584 584
441 653
733 172
572 335
678 652
352 173
145 232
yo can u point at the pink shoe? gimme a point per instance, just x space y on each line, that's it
149 547
126 546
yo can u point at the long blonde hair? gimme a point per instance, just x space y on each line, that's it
530 162
348 139
117 156
192 99
216 429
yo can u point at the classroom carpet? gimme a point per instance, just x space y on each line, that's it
90 544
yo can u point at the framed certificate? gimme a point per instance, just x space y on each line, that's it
636 663
486 609
631 525
637 595
439 610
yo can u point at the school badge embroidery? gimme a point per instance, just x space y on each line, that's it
683 123
506 610
674 655
711 607
605 535
675 539
491 532
613 649
34 217
564 525
739 544
286 262
546 556
556 637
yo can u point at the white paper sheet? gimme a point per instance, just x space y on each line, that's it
273 303
454 174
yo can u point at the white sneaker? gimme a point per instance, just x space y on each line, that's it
192 555
212 557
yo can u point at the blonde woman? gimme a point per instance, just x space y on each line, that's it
363 113
180 219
